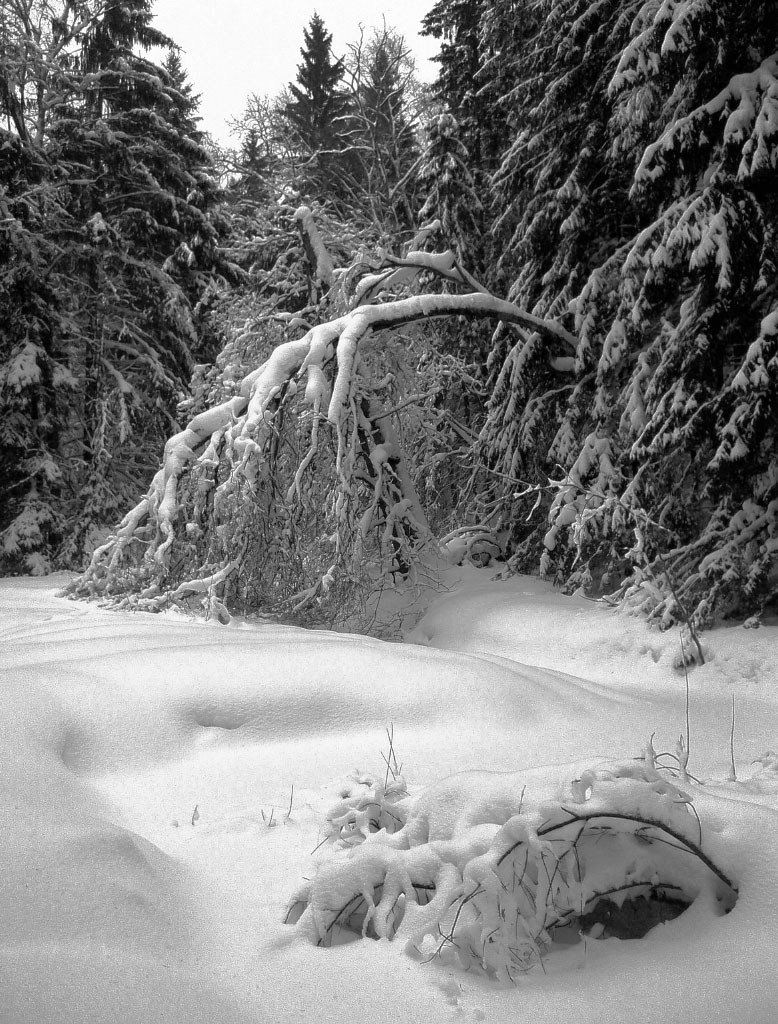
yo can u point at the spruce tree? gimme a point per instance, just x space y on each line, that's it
109 241
316 109
466 73
446 181
638 191
183 111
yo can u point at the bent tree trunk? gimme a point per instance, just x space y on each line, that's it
296 479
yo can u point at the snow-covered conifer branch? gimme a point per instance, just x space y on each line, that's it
742 119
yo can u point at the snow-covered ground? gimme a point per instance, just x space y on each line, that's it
164 783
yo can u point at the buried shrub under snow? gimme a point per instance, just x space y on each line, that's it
494 868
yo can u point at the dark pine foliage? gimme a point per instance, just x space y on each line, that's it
108 241
316 110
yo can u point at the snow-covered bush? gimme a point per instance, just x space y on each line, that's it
491 869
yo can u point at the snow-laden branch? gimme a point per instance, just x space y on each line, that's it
750 104
403 270
236 437
309 354
322 268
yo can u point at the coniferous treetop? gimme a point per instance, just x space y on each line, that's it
316 101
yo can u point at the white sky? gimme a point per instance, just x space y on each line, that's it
233 48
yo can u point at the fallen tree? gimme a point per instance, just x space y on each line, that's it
231 517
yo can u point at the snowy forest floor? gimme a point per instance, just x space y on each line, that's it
148 846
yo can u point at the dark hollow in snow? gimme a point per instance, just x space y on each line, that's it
632 919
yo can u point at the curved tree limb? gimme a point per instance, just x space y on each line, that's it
242 428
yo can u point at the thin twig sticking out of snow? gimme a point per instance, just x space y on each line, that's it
732 772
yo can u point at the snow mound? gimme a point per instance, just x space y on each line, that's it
487 866
164 782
